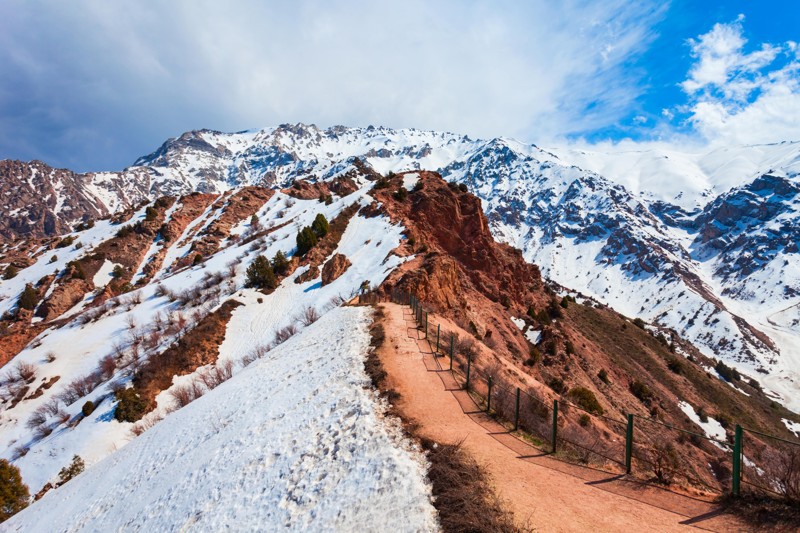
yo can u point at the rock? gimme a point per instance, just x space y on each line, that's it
311 274
335 267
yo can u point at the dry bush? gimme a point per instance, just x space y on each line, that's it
42 432
50 357
136 298
19 451
25 371
148 421
309 315
467 347
62 417
52 406
284 334
106 368
130 320
38 418
216 375
183 395
462 492
256 353
79 388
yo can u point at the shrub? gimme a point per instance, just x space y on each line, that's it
638 322
641 391
130 407
309 315
726 372
584 420
320 226
543 318
534 356
124 231
54 258
76 270
25 371
73 469
564 302
280 264
260 274
569 347
66 241
401 194
88 408
603 376
118 272
675 365
382 182
554 310
306 240
462 187
10 272
14 493
557 384
198 258
183 395
28 298
586 399
150 213
283 334
664 462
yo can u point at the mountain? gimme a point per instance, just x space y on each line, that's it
172 347
698 242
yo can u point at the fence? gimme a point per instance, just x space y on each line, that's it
641 446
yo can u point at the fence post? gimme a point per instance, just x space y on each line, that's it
452 347
489 395
629 444
516 412
426 324
555 425
438 332
737 460
469 365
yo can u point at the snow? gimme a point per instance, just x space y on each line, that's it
410 180
533 335
104 275
794 427
297 441
518 322
712 428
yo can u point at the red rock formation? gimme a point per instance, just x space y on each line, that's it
334 267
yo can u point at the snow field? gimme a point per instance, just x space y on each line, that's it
295 442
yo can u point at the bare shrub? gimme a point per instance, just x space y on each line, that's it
63 417
148 421
42 432
38 418
130 320
216 375
256 353
19 451
25 371
467 347
183 395
284 334
52 406
309 315
79 388
107 367
664 463
50 357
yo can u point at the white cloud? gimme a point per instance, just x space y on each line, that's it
742 97
97 83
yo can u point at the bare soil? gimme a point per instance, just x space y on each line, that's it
541 492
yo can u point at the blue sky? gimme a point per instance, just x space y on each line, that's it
92 85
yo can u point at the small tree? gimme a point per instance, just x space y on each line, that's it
28 299
280 264
131 406
401 194
320 225
10 272
14 493
68 472
306 240
254 222
118 272
260 274
150 213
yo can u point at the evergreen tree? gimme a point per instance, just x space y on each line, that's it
320 225
13 492
306 240
150 213
260 274
11 271
280 264
75 467
28 298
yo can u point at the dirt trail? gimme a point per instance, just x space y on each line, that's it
544 494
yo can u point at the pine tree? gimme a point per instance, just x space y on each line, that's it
280 264
11 271
13 492
260 274
28 298
150 213
320 225
306 240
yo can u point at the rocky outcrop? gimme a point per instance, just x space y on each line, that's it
334 267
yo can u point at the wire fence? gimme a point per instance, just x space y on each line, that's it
644 447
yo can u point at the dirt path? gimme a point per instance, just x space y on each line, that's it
543 493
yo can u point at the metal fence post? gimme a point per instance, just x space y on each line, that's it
737 460
469 365
516 412
426 324
555 425
452 347
629 444
489 395
438 332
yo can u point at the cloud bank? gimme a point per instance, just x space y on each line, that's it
94 84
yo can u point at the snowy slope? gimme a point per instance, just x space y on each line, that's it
80 345
296 441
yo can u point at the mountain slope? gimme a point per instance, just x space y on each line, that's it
309 451
650 251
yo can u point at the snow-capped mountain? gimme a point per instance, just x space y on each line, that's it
699 242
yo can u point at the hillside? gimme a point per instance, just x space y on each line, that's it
698 242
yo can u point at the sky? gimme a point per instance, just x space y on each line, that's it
93 85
